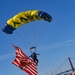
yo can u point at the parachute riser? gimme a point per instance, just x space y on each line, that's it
32 49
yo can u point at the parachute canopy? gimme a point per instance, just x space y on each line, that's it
23 18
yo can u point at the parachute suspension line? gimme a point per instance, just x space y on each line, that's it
19 37
27 37
42 34
35 36
38 38
32 37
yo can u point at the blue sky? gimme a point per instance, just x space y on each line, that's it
55 41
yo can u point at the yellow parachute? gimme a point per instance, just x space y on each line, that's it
23 18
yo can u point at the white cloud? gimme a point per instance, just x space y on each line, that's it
59 45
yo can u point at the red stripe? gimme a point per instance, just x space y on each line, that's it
30 69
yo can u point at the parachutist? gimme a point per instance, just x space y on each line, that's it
34 57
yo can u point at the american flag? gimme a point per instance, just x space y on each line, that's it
24 62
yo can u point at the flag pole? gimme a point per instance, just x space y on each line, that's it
12 45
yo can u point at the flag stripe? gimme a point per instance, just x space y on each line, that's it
20 56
